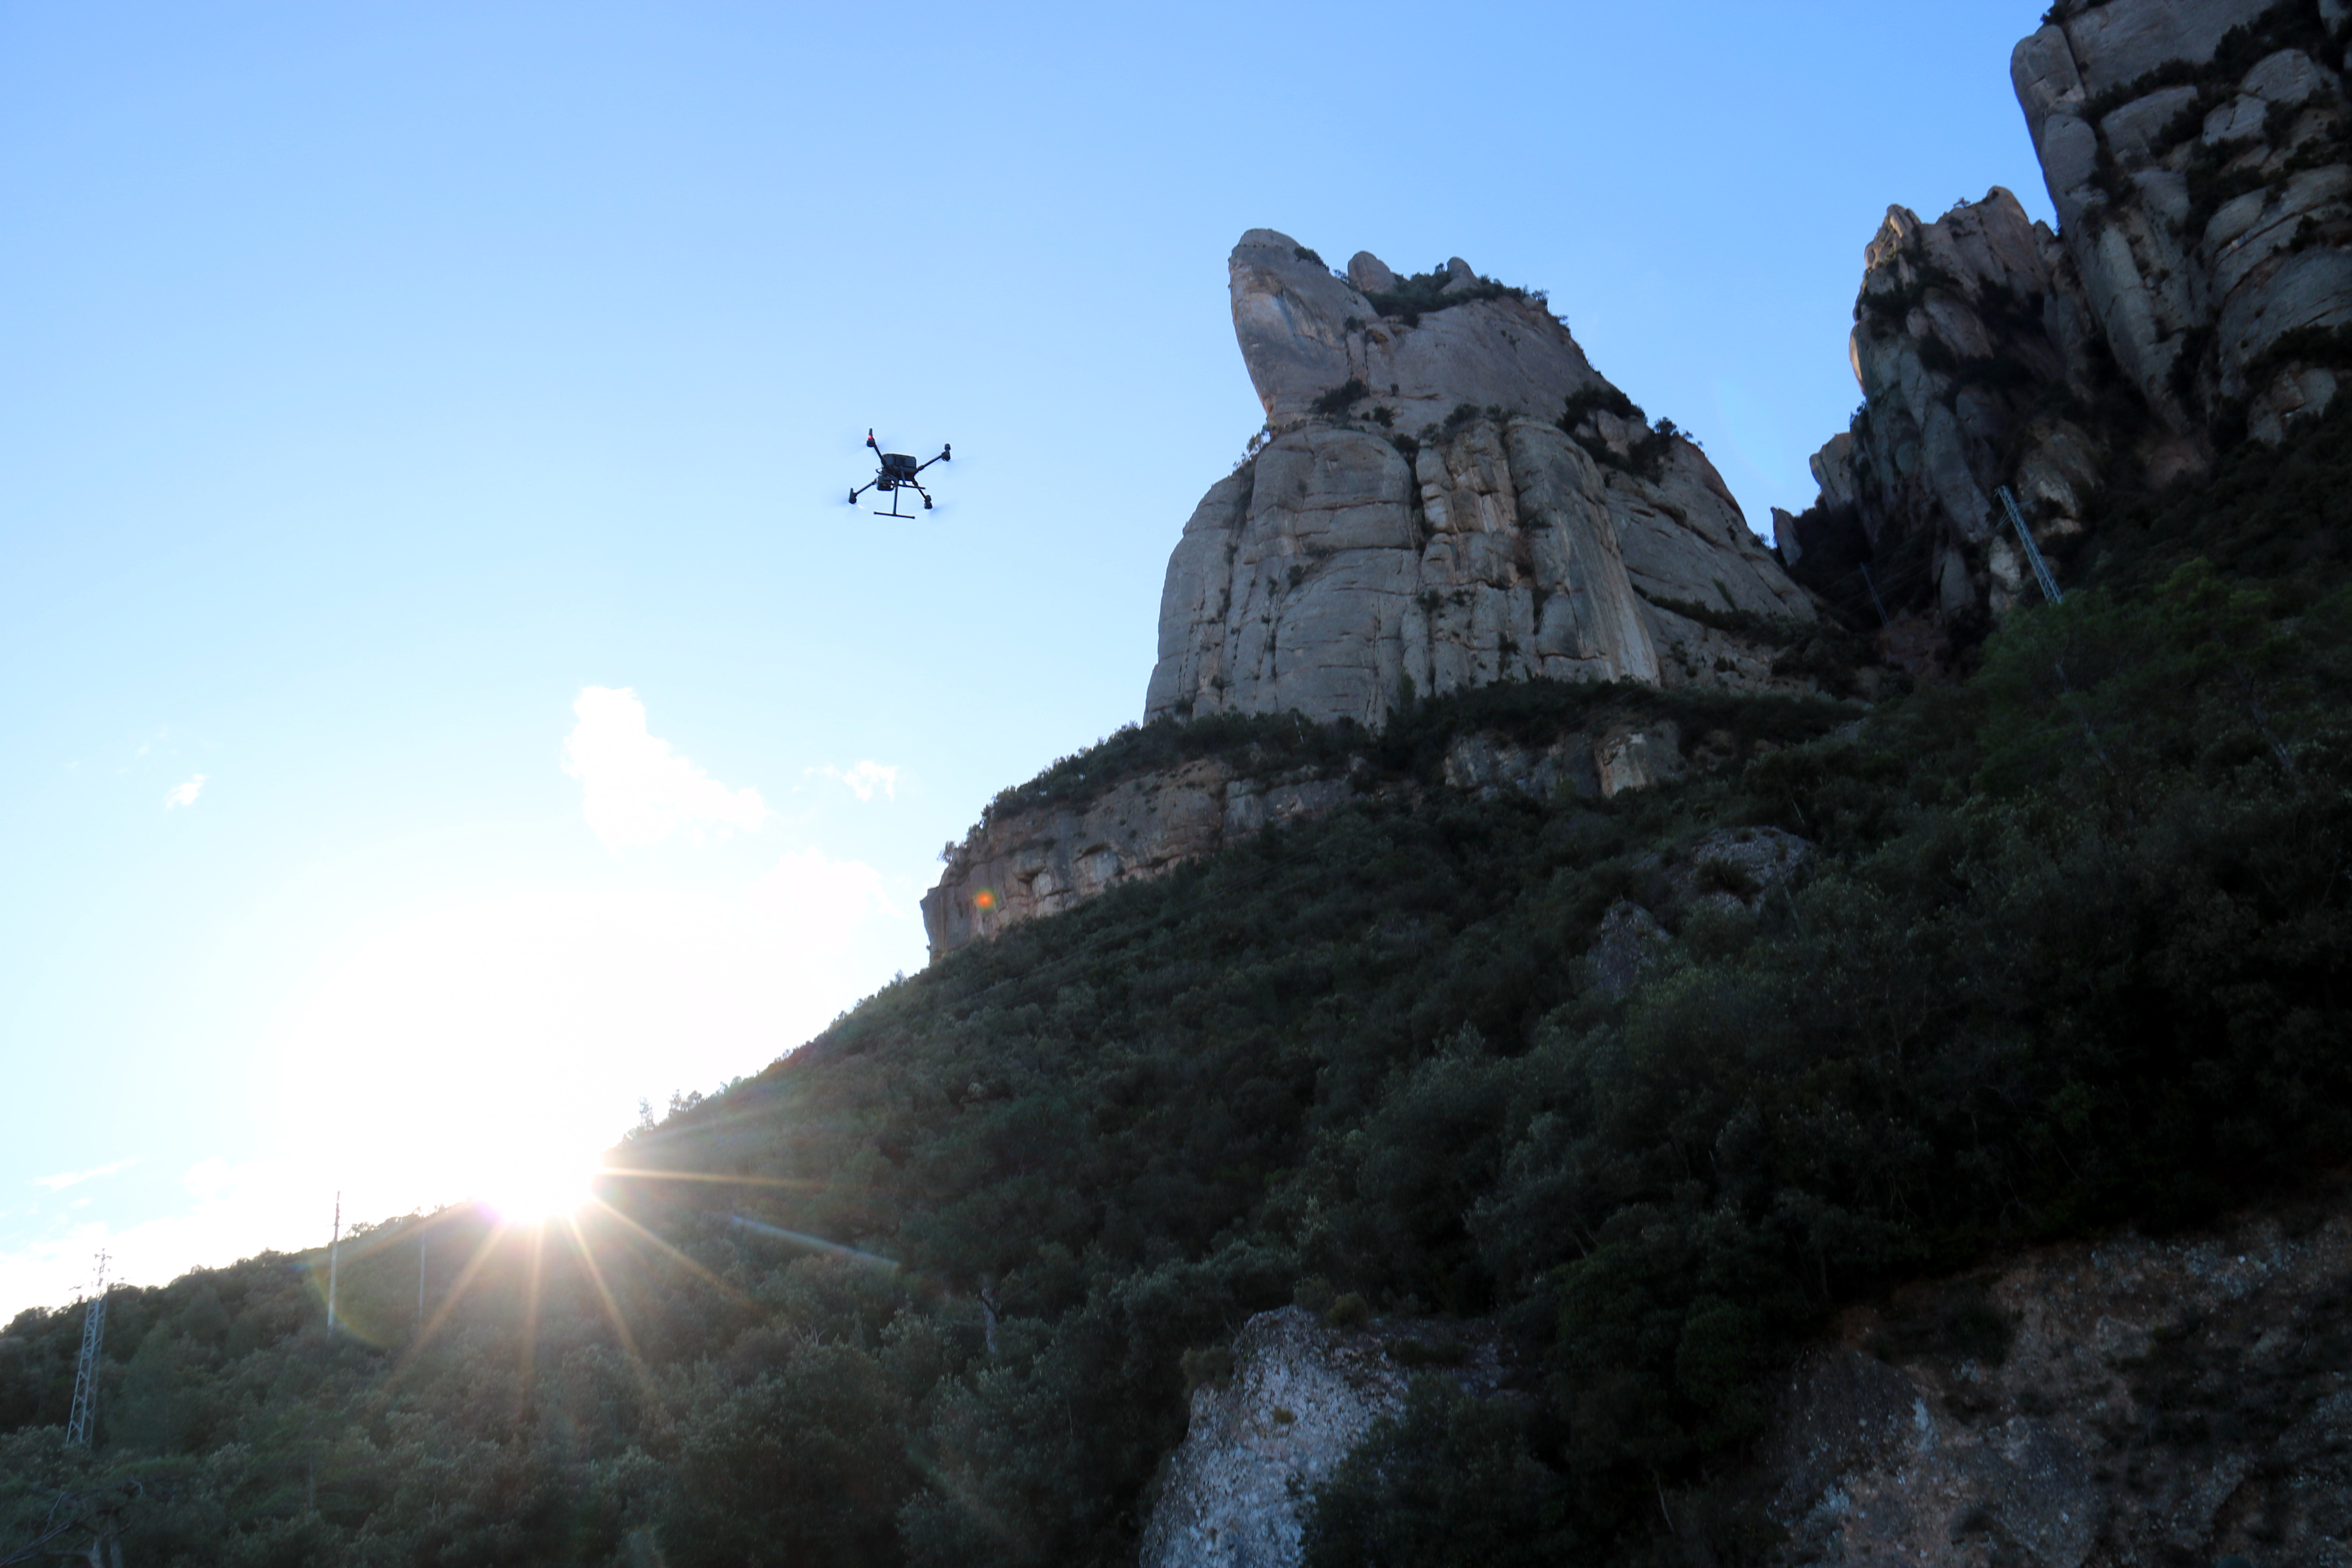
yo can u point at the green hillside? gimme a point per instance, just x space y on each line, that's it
2074 950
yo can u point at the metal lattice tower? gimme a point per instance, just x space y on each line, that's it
93 1335
2032 550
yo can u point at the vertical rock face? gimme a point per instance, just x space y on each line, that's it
1536 527
2199 153
1970 343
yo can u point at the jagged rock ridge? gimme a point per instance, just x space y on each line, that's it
2197 292
1535 527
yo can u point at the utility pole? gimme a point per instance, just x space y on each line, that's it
93 1335
424 1237
334 1252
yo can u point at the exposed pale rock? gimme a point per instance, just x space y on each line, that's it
1292 318
2133 130
2057 1450
1346 580
1636 756
1332 577
2154 290
1017 866
1301 1395
2199 307
1008 871
1954 337
2122 40
1735 869
1022 862
1369 274
2289 76
1487 766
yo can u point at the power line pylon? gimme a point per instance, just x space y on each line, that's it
93 1335
334 1254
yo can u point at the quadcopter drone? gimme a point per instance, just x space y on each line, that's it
897 472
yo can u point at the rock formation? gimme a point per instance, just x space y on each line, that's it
2199 153
1300 1394
2124 1400
1535 526
1023 864
1024 861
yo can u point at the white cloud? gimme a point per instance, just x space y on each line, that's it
65 1179
184 794
635 790
242 1210
864 779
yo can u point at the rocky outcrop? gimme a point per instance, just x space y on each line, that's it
2200 155
1535 527
1306 332
1970 345
1300 1396
1018 864
2113 1402
1027 861
2129 1400
1731 870
2199 288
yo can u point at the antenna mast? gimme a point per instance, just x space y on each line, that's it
93 1335
334 1252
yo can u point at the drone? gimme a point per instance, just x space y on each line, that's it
897 472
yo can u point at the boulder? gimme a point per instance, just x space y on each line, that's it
1369 274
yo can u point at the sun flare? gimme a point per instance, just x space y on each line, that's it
535 1193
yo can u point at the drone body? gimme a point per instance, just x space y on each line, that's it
898 473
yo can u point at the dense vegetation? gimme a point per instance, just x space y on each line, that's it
1418 294
2071 954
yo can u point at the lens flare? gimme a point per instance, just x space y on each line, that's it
533 1193
983 900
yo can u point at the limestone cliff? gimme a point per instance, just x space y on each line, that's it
1040 857
1534 525
2124 1400
2197 292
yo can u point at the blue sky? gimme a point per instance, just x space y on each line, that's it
450 700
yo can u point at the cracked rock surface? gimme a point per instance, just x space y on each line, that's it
1348 565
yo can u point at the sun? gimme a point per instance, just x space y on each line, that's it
534 1191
